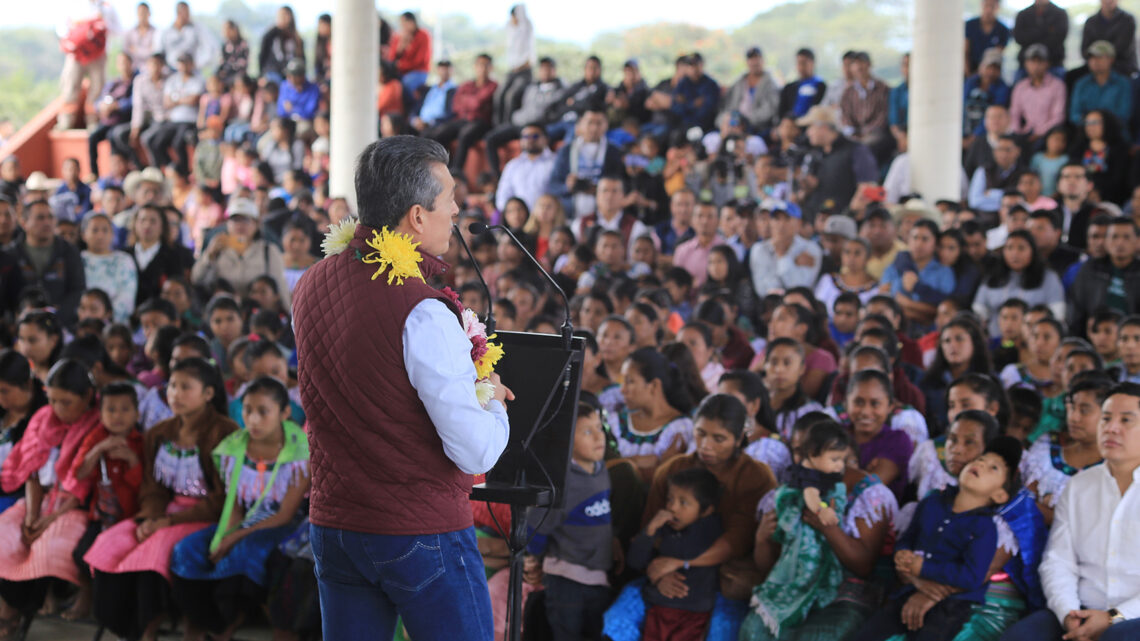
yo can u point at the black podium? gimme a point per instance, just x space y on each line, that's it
545 374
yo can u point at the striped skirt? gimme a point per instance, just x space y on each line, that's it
117 551
49 555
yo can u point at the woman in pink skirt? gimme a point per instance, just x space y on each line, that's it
38 533
181 494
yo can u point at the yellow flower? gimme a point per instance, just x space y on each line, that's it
486 365
338 237
396 253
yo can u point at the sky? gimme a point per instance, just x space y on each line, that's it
575 22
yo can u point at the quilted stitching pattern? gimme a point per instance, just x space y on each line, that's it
378 463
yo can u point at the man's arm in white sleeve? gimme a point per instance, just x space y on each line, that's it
437 357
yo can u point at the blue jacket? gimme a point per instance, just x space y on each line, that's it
957 549
302 104
695 103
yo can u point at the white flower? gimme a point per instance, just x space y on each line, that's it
484 391
338 236
471 324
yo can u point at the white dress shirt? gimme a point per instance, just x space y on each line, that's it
525 177
1092 560
437 357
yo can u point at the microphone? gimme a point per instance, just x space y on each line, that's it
479 228
489 320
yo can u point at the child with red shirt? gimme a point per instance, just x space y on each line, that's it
112 454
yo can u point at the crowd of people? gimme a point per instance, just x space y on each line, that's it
816 405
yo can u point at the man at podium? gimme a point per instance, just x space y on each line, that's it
396 430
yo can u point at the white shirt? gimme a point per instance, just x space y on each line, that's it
143 256
771 272
1092 559
437 357
526 177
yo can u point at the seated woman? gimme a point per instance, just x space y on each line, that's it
1021 273
857 542
38 533
961 350
764 443
698 337
266 471
852 276
654 424
881 450
916 279
1055 458
1088 569
1037 371
719 436
952 253
1102 149
783 373
904 418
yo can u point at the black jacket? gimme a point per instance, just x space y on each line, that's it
63 281
166 263
1090 291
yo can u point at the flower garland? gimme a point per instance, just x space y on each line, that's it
396 253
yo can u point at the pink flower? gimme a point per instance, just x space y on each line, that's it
472 326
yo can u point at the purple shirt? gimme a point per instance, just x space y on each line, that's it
893 445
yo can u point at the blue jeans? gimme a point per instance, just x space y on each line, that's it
1042 625
434 582
413 80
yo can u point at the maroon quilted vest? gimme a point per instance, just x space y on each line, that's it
378 464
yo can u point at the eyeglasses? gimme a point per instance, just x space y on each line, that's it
1094 121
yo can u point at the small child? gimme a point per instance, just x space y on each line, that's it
808 573
684 529
571 549
958 538
113 453
783 369
1025 412
679 284
1102 329
844 317
1007 347
224 317
263 357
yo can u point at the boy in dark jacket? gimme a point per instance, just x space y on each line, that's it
683 530
572 550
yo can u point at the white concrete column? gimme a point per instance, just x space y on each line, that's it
355 72
935 108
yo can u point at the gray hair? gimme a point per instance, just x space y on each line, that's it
393 175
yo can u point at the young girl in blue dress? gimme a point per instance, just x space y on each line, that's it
265 468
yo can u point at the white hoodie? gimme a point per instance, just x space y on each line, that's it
520 40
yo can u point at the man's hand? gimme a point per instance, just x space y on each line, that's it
915 609
672 586
502 392
805 259
661 518
935 591
1090 625
661 566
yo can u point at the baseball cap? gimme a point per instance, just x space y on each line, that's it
991 56
632 64
242 207
819 115
296 67
785 207
1101 48
840 226
1036 51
